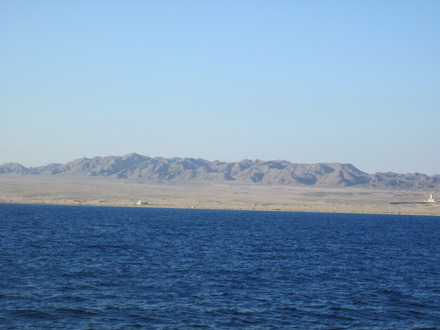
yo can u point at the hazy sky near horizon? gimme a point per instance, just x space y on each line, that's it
305 81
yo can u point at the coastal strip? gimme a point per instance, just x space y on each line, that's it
37 190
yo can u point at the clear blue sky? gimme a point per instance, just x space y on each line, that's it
305 81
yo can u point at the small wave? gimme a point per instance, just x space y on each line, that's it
106 246
31 313
74 311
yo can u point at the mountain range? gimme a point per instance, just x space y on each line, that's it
138 168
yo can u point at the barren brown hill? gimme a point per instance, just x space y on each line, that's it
138 168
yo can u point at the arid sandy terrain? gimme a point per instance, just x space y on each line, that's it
98 191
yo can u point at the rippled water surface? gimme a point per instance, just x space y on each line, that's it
98 267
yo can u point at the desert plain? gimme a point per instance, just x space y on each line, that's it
105 192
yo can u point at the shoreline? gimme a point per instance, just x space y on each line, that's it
92 192
336 210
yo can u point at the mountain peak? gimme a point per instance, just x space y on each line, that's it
14 168
138 168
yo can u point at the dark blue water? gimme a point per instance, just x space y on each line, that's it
97 267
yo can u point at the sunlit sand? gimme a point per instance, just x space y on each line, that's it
97 191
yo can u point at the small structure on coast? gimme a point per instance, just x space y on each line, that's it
141 203
429 200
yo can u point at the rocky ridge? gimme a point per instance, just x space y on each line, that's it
138 168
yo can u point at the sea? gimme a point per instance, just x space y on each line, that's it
85 267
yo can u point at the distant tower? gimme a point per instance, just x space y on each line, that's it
431 199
